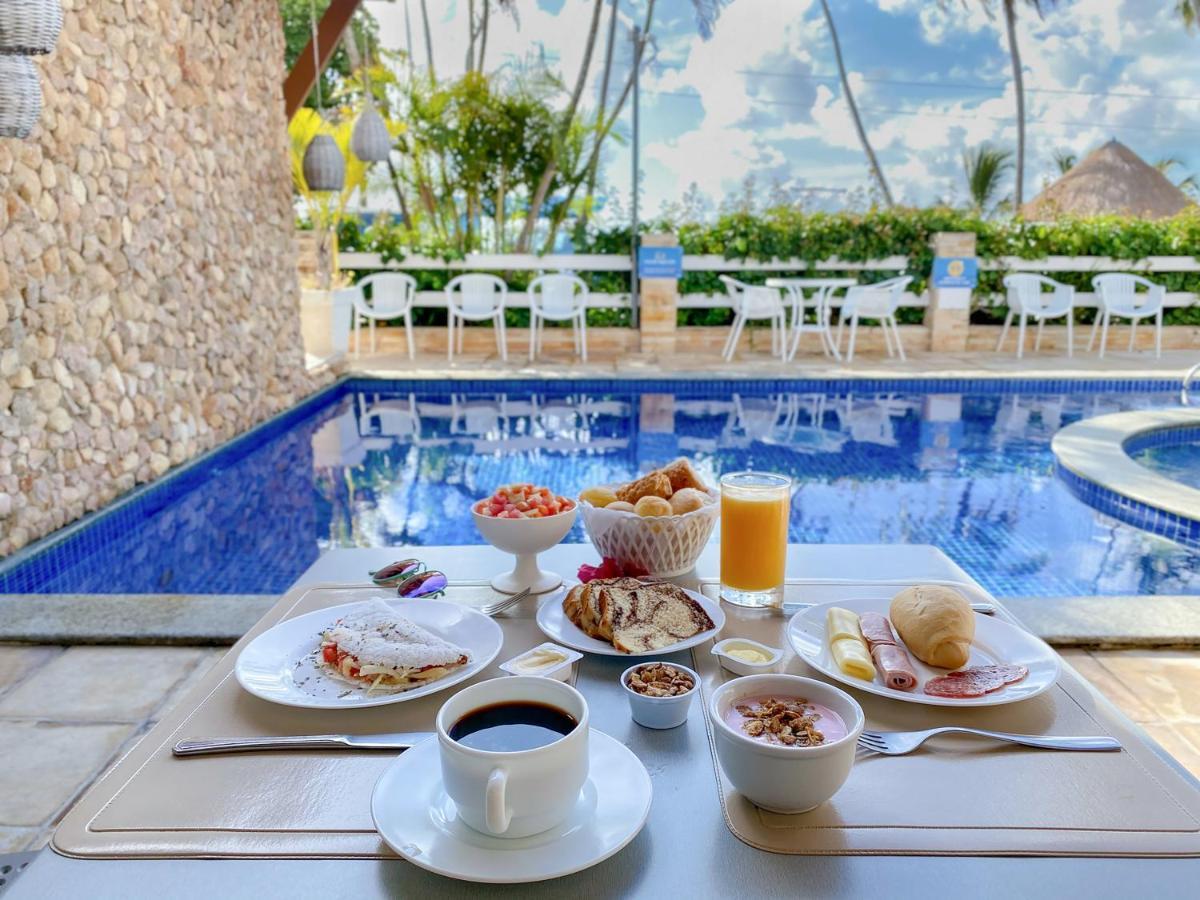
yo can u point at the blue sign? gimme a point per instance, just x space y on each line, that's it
660 262
955 271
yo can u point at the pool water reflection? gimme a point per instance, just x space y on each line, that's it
971 473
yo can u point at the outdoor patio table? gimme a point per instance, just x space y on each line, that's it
825 288
685 848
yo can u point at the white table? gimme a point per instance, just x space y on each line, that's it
825 289
685 849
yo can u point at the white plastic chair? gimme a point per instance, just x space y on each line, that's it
752 301
475 298
874 301
557 298
1119 296
391 297
1027 299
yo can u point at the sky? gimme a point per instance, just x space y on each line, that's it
761 97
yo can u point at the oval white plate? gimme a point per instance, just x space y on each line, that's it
416 819
280 664
556 626
996 643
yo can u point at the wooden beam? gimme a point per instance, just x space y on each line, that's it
303 75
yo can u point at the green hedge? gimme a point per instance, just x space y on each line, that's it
791 234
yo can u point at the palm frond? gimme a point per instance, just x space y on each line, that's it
984 168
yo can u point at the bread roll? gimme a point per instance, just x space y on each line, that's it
652 506
936 623
598 496
686 500
620 506
656 484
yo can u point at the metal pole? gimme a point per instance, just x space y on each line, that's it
633 238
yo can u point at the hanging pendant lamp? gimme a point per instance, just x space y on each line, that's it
370 140
29 27
324 166
20 96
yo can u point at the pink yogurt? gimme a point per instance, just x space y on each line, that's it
829 723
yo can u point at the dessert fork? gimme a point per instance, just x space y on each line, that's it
897 743
501 605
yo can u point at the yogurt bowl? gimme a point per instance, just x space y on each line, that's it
778 777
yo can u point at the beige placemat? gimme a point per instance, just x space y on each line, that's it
966 796
295 804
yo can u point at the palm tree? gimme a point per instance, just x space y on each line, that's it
984 168
876 171
1189 183
1189 11
1065 161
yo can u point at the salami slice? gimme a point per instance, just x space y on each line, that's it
975 681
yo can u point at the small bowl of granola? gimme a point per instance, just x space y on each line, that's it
660 694
786 743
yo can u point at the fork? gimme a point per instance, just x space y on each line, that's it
897 743
501 605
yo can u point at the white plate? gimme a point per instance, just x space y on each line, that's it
996 643
416 818
280 664
556 626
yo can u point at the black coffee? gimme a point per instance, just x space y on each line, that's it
512 726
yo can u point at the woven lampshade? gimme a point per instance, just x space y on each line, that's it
29 27
20 96
324 166
370 140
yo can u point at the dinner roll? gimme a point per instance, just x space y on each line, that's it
653 506
936 623
620 506
686 500
598 496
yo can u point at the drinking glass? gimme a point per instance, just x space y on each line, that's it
754 529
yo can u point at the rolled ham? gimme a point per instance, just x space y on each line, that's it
890 658
895 667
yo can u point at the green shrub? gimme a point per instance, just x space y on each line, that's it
787 233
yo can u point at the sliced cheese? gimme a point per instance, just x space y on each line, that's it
841 623
852 657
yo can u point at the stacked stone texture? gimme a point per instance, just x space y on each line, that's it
147 263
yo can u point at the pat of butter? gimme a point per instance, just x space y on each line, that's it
539 658
749 654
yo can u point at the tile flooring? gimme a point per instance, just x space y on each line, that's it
66 714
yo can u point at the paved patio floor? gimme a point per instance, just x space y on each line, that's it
68 713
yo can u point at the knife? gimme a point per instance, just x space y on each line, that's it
984 609
398 741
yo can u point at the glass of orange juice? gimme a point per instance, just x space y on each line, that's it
754 530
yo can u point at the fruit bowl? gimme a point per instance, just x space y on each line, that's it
524 537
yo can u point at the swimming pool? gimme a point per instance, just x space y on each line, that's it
965 465
1175 456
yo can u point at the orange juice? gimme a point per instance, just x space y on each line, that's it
754 525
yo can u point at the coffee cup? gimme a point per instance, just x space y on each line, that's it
514 753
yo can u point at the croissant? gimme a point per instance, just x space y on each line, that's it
936 623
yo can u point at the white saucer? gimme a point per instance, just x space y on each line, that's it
417 819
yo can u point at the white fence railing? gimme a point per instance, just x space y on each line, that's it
600 262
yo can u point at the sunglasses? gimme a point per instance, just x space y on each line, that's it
411 579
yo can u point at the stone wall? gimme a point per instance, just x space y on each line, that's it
147 263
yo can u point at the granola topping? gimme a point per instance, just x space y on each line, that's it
660 680
791 721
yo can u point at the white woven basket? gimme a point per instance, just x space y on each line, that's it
662 545
29 27
20 96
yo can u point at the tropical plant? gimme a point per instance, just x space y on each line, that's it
984 168
1189 11
1188 183
1064 161
872 161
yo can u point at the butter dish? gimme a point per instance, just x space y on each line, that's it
546 660
743 656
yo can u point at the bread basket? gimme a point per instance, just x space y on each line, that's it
662 545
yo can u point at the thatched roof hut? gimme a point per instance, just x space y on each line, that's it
1112 180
